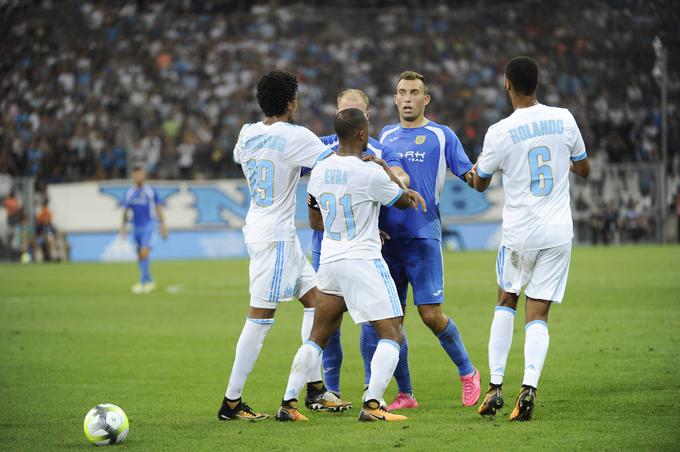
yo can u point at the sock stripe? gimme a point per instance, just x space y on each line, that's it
391 342
261 321
505 308
535 322
314 344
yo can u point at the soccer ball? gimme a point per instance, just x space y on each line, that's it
106 424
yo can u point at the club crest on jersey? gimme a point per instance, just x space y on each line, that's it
420 139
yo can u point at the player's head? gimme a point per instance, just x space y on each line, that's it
521 77
412 96
351 126
138 175
277 94
353 98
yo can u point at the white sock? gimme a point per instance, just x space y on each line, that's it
305 331
384 362
247 350
500 340
308 357
535 349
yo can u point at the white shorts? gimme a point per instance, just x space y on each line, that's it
279 271
366 286
543 272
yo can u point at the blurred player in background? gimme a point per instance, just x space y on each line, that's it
414 251
147 213
272 153
349 98
352 275
535 148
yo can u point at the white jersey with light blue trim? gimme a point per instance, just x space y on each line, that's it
533 148
350 192
271 157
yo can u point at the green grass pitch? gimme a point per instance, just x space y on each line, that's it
73 336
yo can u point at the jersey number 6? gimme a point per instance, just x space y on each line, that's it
541 173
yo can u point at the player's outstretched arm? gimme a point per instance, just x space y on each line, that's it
315 218
480 183
581 167
410 198
395 176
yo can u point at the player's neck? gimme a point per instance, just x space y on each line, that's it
418 122
524 102
345 150
269 120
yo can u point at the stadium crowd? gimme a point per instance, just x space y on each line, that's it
89 89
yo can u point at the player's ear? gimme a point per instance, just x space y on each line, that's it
427 99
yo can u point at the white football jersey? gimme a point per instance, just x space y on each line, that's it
271 157
350 192
533 147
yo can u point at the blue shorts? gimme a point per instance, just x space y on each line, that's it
419 262
145 237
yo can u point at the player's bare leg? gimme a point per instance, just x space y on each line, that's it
327 318
451 341
536 344
318 397
500 340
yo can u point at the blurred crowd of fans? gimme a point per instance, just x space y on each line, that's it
89 89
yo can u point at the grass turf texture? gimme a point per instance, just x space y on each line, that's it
73 336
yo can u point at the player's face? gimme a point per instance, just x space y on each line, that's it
138 177
352 101
411 99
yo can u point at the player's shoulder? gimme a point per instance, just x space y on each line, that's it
329 140
441 131
388 130
375 146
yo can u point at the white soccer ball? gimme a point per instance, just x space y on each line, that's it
106 424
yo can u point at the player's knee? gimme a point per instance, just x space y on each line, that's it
434 318
507 299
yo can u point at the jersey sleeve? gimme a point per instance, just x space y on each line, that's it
239 145
381 189
329 139
307 149
391 157
578 147
456 158
489 160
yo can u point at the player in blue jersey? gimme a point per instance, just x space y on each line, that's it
147 213
348 98
414 253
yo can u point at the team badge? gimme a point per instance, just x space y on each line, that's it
420 139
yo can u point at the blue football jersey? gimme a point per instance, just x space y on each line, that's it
142 201
425 154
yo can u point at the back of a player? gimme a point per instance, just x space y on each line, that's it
533 148
350 192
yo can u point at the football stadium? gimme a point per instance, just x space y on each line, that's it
339 225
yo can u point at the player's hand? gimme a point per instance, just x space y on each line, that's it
470 178
373 158
384 237
416 199
164 231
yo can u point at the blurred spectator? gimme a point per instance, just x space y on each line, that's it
12 206
676 198
45 232
23 240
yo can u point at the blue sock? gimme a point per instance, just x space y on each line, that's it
332 360
145 275
368 342
402 373
453 344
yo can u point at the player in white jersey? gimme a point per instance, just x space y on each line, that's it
352 274
535 148
271 153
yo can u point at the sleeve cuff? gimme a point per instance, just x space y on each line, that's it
391 203
483 174
576 158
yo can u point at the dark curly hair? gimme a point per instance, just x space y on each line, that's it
274 91
522 72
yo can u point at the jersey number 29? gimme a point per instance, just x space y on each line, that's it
541 173
261 181
329 203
